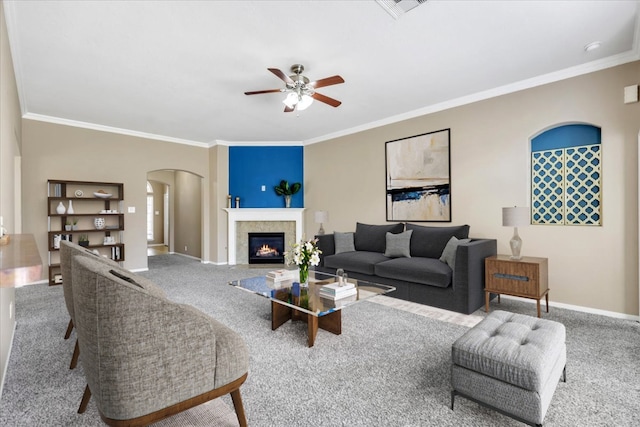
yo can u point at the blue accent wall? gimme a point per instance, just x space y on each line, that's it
252 167
566 136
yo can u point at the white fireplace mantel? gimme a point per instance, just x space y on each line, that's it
260 214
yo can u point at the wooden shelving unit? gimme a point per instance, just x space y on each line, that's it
86 208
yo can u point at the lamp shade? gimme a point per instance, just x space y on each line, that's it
321 217
515 216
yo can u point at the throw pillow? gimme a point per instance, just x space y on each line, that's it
399 245
449 252
429 242
343 242
372 238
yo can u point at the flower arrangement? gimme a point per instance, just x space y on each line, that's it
304 254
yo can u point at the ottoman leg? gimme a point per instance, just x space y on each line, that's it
453 397
564 374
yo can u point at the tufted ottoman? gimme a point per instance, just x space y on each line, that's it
511 363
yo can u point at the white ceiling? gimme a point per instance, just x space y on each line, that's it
179 69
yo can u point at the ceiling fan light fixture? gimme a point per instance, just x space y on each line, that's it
291 100
304 102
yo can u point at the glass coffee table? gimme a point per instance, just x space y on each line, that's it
291 302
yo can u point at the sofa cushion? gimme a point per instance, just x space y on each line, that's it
359 261
429 242
449 252
343 242
428 271
372 238
398 245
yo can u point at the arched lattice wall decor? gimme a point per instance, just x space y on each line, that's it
566 176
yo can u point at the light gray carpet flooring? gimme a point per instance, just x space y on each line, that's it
388 368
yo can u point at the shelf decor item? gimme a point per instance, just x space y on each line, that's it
99 223
101 194
60 209
70 208
84 240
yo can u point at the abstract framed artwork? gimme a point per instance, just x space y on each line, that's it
418 175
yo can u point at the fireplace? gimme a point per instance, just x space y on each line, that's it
266 248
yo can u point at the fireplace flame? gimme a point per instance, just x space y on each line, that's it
266 250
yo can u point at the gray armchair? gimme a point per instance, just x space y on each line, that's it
145 357
67 251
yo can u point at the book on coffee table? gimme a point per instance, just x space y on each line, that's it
336 291
279 275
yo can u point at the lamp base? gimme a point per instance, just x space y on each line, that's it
321 230
516 244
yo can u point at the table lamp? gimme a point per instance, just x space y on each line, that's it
515 217
320 218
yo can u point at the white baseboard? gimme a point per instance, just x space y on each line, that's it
590 310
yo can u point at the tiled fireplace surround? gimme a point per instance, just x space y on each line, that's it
242 221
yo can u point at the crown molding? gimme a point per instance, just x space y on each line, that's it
110 129
256 143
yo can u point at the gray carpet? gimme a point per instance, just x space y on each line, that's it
388 368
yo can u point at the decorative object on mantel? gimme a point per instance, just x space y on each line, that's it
515 217
237 202
99 223
228 200
320 218
286 190
304 254
61 209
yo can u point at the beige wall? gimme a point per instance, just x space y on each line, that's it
52 151
188 214
219 173
595 267
10 141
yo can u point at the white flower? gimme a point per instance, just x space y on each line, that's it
304 253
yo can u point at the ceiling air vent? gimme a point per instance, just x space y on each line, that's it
396 8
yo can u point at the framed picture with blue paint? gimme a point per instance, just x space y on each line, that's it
418 174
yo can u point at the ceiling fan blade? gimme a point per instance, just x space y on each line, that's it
282 76
288 109
326 99
333 80
257 92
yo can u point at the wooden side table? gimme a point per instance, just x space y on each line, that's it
527 277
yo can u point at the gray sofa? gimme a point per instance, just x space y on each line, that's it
436 266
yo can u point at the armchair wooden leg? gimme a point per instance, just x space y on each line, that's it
85 400
69 329
237 404
74 358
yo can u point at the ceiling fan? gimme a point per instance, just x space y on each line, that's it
300 90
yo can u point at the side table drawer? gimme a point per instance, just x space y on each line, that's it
513 277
